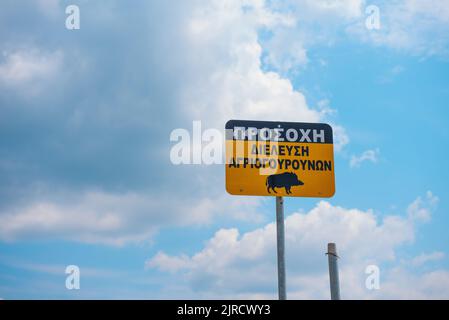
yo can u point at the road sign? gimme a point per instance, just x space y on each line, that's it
266 158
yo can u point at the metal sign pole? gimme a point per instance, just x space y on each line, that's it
333 271
280 247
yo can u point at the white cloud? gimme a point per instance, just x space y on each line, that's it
229 82
427 257
169 263
420 209
118 219
368 155
95 217
27 65
231 262
413 26
340 137
29 68
285 58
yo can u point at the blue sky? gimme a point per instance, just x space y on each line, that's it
86 177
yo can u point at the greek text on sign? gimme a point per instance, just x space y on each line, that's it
279 159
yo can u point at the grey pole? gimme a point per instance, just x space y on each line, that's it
280 247
333 271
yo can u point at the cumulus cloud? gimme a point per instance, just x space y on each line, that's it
96 217
230 82
116 218
368 155
285 58
232 262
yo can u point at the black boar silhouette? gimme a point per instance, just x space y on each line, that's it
282 180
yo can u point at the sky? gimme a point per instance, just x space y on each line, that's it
86 177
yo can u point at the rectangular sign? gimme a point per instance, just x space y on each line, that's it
265 158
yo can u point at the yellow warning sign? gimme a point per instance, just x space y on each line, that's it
279 159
